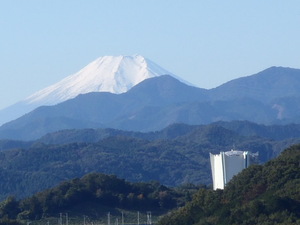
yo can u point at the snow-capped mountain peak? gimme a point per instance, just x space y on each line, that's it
115 74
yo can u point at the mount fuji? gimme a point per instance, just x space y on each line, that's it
114 74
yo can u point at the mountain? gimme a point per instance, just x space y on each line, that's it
114 74
269 97
276 87
266 86
147 106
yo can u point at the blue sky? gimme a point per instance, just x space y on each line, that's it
205 42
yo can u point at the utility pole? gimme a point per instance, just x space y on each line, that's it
138 217
60 219
122 218
67 219
149 219
108 218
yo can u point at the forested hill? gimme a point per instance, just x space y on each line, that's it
261 194
94 191
243 128
173 156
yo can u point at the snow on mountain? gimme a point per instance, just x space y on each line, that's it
115 74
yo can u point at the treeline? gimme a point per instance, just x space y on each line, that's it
95 188
263 195
24 172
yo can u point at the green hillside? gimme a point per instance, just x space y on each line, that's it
173 156
93 196
262 194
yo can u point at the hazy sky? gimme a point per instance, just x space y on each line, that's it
205 42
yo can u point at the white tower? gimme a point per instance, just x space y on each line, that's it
227 164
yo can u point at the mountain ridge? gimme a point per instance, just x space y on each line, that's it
254 85
160 101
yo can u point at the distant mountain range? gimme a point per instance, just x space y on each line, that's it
269 97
